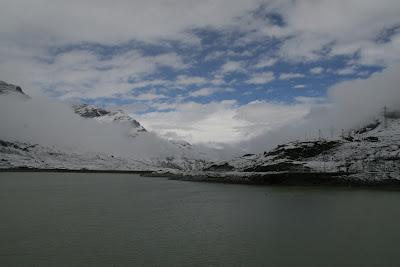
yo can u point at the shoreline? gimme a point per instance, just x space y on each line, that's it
282 179
61 170
256 179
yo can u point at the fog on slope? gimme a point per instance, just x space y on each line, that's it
349 105
50 123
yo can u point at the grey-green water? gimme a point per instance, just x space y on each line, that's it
60 219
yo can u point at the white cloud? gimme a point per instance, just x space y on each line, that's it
290 75
151 83
223 121
310 100
232 66
82 74
149 96
316 70
203 92
265 62
104 22
381 54
348 105
315 30
261 78
346 71
190 80
260 125
362 99
214 55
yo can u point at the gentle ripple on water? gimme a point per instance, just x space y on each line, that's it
76 219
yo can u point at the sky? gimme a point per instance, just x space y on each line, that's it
207 71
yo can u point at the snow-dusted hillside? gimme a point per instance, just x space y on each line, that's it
142 149
106 116
25 155
186 156
369 153
19 154
372 152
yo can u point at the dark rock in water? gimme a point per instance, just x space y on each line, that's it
221 167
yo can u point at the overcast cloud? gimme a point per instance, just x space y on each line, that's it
208 71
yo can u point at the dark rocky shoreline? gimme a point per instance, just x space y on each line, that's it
282 179
260 179
27 169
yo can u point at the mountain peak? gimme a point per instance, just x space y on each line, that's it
89 111
7 88
107 116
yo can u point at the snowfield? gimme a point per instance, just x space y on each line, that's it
17 155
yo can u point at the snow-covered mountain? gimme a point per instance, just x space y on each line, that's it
371 152
106 116
368 153
24 155
187 157
179 155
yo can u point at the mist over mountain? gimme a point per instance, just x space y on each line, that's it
85 128
348 105
47 122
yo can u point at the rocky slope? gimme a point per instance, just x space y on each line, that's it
11 89
106 116
370 153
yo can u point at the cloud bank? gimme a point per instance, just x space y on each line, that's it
198 64
254 127
349 105
51 123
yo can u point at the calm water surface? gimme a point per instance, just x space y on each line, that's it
61 219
